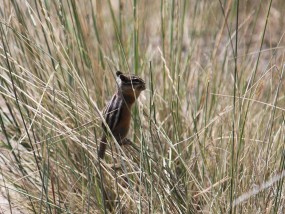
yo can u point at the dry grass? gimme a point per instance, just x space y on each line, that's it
208 131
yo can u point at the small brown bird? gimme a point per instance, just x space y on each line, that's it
117 113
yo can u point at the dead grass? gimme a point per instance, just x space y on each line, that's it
208 131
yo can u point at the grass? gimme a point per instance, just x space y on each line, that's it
208 132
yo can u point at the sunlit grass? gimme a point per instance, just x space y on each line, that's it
208 132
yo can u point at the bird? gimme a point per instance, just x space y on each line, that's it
117 113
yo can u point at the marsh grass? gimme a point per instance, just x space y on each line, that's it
208 132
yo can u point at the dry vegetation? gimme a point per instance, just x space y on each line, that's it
209 130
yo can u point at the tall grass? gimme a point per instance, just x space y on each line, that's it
208 132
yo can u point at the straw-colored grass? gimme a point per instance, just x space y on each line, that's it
208 132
